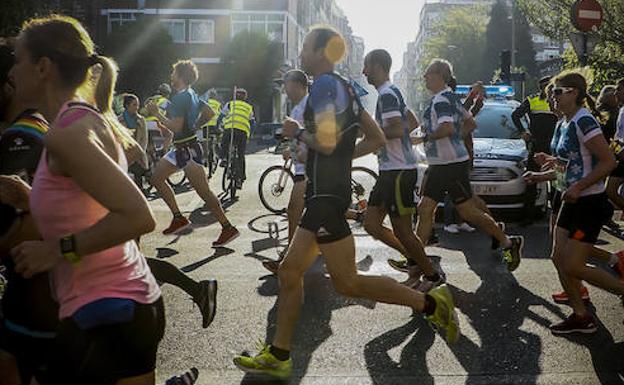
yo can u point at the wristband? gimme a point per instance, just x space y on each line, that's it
68 249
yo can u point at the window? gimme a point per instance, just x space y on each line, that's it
117 19
202 31
271 24
176 29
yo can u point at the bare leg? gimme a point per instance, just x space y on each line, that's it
145 379
164 169
426 215
295 207
373 224
613 184
402 226
197 177
470 213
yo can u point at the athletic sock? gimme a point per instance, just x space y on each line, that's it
613 260
430 305
435 277
280 354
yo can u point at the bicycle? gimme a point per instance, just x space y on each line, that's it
276 183
230 180
210 144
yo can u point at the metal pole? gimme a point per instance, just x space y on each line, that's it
513 36
583 57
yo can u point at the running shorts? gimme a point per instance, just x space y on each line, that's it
394 190
584 218
325 217
453 179
182 154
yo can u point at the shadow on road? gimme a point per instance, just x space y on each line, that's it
219 252
320 300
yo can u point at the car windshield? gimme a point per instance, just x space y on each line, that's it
494 121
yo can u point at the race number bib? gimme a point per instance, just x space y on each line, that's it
561 169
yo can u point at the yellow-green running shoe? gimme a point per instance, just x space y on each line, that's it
444 318
513 254
264 363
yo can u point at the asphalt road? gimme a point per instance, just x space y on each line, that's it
504 317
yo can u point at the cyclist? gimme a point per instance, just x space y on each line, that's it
296 87
185 113
212 127
237 122
393 193
333 117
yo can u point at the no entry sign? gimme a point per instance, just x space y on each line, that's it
587 15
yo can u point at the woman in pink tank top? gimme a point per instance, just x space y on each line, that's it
88 213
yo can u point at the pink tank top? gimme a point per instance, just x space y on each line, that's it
60 207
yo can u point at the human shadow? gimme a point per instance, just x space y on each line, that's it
218 252
313 328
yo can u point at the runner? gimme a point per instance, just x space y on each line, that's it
111 313
580 164
616 179
446 121
29 314
332 117
296 87
393 194
136 124
185 113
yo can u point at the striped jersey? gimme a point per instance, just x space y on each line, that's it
21 145
568 145
397 153
445 107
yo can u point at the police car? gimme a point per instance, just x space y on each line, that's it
500 154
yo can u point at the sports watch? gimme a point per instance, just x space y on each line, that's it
68 249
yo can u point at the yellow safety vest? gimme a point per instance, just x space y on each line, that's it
216 108
238 116
539 105
160 101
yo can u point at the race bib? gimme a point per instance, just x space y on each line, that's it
561 170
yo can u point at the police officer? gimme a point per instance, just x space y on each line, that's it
542 123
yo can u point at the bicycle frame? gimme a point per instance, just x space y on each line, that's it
281 182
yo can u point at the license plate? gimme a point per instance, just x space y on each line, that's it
485 190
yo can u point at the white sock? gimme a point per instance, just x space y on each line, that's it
613 260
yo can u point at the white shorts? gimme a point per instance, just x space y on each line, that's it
180 156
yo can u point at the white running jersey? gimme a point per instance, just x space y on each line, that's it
297 114
397 153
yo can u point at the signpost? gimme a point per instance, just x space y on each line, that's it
586 16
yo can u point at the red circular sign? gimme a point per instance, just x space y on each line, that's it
587 15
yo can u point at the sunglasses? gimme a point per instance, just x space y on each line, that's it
558 91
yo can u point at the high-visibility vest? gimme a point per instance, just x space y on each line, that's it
539 105
216 108
161 102
239 114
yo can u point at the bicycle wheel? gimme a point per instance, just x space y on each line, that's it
274 187
362 182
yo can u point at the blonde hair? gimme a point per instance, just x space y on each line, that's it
66 42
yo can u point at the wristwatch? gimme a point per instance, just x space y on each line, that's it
68 249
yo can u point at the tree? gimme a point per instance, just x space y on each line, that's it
145 52
498 38
552 18
459 38
14 12
250 61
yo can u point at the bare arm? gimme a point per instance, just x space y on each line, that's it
374 137
205 115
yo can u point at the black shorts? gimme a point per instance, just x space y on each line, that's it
584 218
325 217
105 354
182 154
453 179
618 172
394 191
30 352
299 178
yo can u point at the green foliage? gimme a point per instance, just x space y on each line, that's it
14 12
145 52
250 61
552 18
459 38
498 38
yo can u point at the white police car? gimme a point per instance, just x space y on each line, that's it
500 155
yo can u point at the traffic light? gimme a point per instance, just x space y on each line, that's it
505 64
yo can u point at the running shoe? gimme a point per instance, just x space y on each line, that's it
444 318
575 324
465 227
272 266
513 254
178 223
207 301
495 243
188 378
563 299
452 229
619 266
264 363
399 264
425 285
228 234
